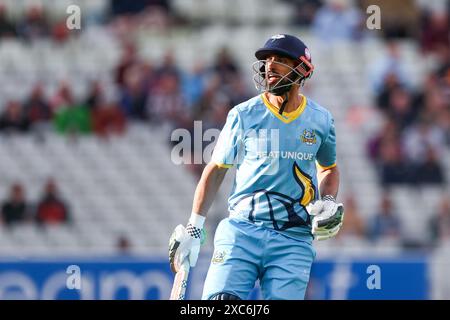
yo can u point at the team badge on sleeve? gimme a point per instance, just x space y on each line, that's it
218 257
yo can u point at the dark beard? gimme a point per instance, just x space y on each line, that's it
280 91
284 86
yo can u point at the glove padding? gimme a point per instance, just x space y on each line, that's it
327 218
184 244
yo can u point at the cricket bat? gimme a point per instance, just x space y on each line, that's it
180 282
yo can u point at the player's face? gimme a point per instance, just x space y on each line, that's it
276 68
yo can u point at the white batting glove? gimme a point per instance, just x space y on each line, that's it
327 217
185 242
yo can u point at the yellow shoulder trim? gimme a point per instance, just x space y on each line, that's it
327 167
287 117
222 165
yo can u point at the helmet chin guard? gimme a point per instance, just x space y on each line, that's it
284 84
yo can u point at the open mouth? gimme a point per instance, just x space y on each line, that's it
273 77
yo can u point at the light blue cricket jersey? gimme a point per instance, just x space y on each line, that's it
275 158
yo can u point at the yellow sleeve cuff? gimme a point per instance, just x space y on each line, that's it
222 165
327 167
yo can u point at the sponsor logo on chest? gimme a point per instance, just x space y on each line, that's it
308 137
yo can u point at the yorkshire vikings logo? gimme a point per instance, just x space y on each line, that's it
308 137
277 36
219 257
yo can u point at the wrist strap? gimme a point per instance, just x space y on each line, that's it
195 225
196 220
329 198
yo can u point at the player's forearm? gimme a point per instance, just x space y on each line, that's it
207 188
329 181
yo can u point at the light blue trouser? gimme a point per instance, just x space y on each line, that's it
244 252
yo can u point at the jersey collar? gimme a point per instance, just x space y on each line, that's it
286 117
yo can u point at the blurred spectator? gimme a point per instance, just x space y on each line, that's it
127 60
149 76
123 245
338 20
385 223
443 69
219 111
193 84
386 151
156 17
225 67
353 227
73 120
444 124
167 102
51 209
212 87
392 165
389 84
305 11
237 91
439 223
430 170
95 96
434 30
389 133
63 97
427 94
7 28
435 103
60 33
69 117
37 108
133 96
421 138
120 7
34 24
213 117
169 66
107 118
400 107
15 208
390 65
13 118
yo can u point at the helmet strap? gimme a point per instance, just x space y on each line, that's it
283 105
278 91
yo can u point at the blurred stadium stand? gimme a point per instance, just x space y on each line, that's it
126 185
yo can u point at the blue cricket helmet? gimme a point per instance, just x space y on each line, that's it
288 46
285 45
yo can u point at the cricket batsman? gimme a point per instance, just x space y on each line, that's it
283 145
